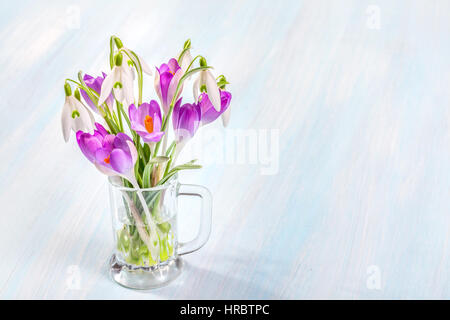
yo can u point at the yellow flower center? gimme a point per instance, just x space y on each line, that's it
107 159
148 122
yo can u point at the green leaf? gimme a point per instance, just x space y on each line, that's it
159 159
164 227
146 176
187 167
147 152
169 150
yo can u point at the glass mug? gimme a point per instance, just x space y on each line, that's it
147 251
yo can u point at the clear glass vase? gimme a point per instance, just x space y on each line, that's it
147 251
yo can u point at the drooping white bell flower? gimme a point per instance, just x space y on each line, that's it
207 79
119 81
75 115
137 60
145 67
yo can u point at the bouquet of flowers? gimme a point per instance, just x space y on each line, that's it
129 139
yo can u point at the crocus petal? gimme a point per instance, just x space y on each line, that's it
107 86
157 84
176 113
154 108
137 119
209 113
165 80
212 89
88 145
188 121
173 65
101 129
101 154
132 113
105 170
120 161
151 137
164 68
173 85
133 151
94 84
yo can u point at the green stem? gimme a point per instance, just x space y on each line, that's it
169 163
111 51
119 114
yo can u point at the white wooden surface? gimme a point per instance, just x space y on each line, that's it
358 91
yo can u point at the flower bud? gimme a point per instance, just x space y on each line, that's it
118 42
67 89
77 94
203 62
187 44
118 59
222 82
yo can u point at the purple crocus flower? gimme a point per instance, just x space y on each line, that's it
166 82
96 85
146 121
111 154
209 113
186 120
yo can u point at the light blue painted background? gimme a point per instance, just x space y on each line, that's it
364 170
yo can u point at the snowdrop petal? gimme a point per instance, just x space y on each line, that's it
226 117
145 67
86 116
118 93
196 88
157 84
127 87
66 122
107 86
186 61
212 89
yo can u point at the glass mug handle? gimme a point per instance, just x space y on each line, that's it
205 217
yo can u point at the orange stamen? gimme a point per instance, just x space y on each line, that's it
106 159
148 122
